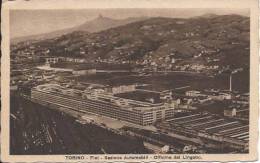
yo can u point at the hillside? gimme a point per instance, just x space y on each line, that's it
162 42
96 25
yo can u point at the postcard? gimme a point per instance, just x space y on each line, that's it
129 81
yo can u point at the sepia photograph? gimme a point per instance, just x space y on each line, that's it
122 83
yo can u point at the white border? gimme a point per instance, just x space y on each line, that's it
87 4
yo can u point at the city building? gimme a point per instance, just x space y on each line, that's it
214 95
242 99
105 104
51 60
166 95
121 89
237 112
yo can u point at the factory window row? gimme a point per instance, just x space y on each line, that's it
112 112
99 108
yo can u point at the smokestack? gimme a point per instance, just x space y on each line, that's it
230 83
100 16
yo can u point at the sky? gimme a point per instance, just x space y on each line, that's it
31 22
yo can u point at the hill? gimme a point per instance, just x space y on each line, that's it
199 43
98 24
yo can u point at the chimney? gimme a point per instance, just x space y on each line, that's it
230 83
100 16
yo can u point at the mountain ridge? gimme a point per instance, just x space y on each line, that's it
164 42
98 24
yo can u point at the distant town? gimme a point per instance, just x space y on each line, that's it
174 103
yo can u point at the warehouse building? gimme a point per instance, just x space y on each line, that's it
210 129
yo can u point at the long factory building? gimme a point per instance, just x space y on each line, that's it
210 129
101 103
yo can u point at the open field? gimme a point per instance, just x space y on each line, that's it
165 81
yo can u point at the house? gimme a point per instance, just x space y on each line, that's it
236 112
51 60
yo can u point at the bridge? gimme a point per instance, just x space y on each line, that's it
145 90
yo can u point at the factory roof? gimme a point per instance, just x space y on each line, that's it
92 95
211 124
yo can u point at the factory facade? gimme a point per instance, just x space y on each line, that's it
105 104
